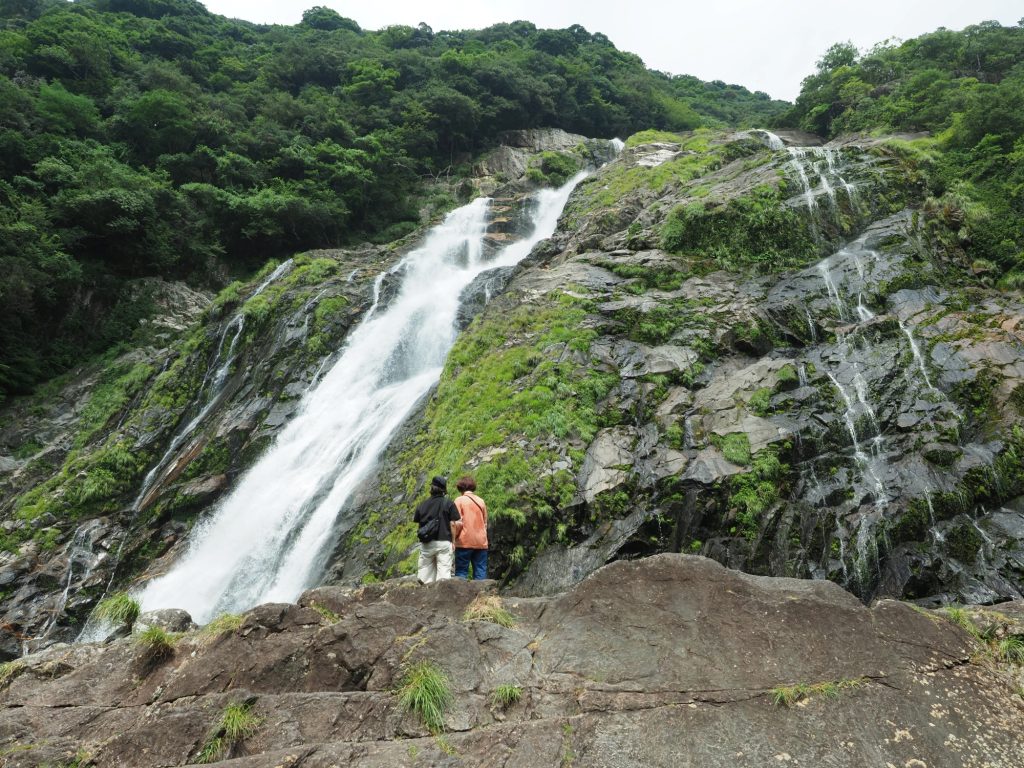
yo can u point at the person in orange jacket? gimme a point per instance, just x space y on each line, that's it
471 535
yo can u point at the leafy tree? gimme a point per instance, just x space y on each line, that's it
319 17
967 89
151 137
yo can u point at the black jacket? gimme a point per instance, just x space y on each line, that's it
438 505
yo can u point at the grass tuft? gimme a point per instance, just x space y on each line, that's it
962 619
327 613
211 751
222 625
426 691
488 608
119 608
1011 649
788 695
505 695
156 643
237 723
10 670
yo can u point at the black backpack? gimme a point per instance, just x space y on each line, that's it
431 525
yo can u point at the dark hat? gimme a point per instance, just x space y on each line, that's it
439 482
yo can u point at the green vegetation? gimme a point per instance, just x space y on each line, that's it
119 608
141 138
10 670
988 485
787 377
554 168
755 232
753 493
237 723
698 157
961 618
118 385
735 447
1011 649
155 644
967 89
327 613
511 377
789 695
505 695
995 646
222 625
759 402
426 692
489 608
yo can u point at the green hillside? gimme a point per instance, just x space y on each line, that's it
150 137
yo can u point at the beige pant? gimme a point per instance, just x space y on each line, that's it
435 561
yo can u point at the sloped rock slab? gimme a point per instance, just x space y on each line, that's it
666 661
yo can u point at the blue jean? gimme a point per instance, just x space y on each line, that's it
463 559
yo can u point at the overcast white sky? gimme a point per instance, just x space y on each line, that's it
764 45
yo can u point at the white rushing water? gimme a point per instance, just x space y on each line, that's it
267 540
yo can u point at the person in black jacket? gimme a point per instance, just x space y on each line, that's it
438 521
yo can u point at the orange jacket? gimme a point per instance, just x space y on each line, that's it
473 510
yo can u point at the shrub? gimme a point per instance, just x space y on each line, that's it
506 695
426 691
119 608
488 608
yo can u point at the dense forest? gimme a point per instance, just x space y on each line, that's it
150 137
966 90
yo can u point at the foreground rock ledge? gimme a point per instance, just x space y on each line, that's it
667 661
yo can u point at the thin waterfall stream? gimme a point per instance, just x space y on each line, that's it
269 538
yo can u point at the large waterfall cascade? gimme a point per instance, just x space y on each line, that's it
269 538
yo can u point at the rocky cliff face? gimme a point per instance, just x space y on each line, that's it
666 661
742 347
102 475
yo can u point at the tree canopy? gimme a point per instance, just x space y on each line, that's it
150 137
966 89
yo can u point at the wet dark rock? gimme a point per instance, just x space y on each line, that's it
476 295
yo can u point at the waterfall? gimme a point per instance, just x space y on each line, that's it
79 552
854 390
269 538
798 163
916 351
824 162
774 142
209 392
